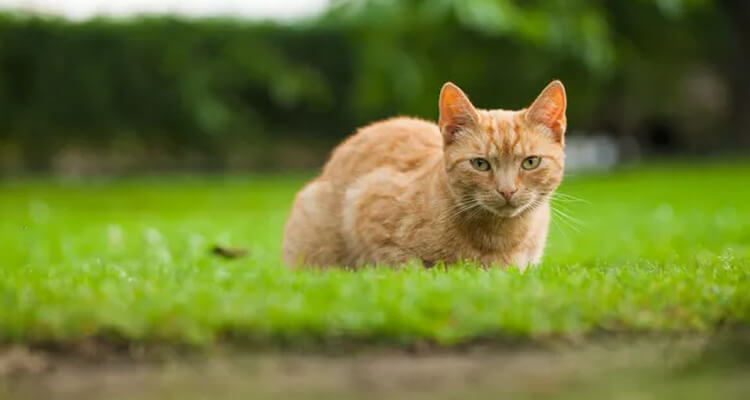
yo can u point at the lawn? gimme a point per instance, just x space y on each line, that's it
659 248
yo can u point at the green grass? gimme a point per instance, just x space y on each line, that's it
659 249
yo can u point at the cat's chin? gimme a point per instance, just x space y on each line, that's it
504 211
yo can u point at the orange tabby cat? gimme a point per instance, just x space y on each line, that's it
474 187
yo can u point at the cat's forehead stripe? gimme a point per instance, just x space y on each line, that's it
494 136
486 144
502 135
505 136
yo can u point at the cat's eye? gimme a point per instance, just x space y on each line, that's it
480 164
531 162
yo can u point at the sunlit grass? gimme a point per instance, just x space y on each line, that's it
646 249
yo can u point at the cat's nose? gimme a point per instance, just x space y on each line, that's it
507 193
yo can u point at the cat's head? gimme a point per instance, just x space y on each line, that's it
503 162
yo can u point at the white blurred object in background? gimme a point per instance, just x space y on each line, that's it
590 152
253 9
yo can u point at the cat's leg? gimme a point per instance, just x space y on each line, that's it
312 236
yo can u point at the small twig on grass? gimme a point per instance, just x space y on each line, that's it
228 252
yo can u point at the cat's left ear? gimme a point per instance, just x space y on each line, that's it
456 112
548 110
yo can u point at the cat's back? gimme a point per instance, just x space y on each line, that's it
402 144
380 158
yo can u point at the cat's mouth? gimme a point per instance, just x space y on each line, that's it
505 210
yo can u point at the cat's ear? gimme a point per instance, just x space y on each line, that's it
548 110
456 112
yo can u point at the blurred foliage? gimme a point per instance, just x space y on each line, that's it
212 86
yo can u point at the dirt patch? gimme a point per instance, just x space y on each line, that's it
581 371
18 360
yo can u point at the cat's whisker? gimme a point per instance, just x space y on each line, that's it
536 203
569 221
462 207
557 226
464 212
568 198
562 200
474 212
563 223
553 220
566 212
559 193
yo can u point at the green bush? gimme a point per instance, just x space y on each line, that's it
211 86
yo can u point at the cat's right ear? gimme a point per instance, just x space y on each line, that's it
456 112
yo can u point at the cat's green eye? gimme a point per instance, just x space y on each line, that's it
531 162
480 164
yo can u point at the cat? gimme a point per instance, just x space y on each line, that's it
475 187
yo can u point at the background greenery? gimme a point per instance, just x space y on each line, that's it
668 75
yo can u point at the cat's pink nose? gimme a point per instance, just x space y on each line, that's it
507 193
